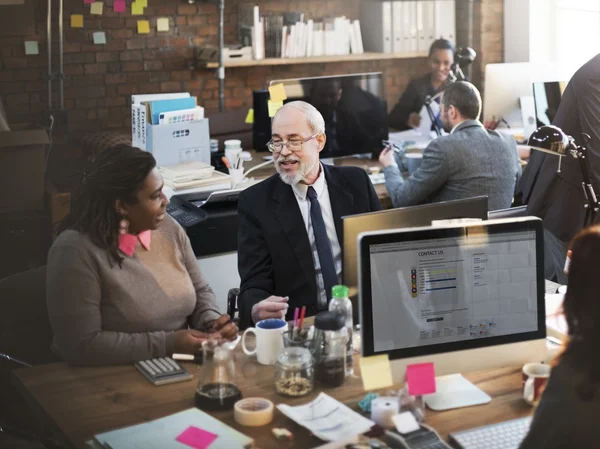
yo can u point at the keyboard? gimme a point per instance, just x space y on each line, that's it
377 178
504 435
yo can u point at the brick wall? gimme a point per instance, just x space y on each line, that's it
100 78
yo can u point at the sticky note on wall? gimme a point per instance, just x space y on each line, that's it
277 92
274 106
119 6
32 48
99 37
376 372
143 26
162 24
76 21
97 8
137 9
250 117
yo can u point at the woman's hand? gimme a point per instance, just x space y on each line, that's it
225 327
189 341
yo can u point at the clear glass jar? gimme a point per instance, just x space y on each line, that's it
294 372
331 340
217 389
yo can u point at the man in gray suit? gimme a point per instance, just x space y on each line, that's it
471 161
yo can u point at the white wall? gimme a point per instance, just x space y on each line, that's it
516 31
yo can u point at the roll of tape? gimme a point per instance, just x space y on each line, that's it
253 412
383 409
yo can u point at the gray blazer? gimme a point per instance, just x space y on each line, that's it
469 162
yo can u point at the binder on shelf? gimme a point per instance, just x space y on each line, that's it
409 26
445 20
397 26
376 21
425 25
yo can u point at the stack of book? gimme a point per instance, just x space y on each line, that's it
191 175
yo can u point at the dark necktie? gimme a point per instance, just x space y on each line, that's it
323 244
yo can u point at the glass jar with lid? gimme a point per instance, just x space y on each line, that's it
294 372
330 349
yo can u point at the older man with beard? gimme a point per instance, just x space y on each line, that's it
290 224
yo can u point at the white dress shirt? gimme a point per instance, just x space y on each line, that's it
300 191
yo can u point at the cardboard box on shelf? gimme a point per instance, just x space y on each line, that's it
23 159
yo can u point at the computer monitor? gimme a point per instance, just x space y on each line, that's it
507 84
547 98
404 217
354 108
465 297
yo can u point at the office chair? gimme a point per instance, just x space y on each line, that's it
25 337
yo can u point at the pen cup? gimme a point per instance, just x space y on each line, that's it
237 175
233 155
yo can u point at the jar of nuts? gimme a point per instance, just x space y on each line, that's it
294 372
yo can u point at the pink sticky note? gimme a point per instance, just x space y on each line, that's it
420 378
196 438
119 6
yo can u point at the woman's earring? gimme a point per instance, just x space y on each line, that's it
123 226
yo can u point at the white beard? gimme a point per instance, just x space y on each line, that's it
291 179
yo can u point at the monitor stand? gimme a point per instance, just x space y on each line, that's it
454 391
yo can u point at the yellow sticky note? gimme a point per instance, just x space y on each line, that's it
137 9
277 92
376 372
162 24
76 21
143 26
144 3
250 117
97 8
274 106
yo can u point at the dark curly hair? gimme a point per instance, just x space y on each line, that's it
117 173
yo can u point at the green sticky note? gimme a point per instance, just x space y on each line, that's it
137 9
32 48
143 26
162 24
274 106
76 21
97 8
376 372
250 117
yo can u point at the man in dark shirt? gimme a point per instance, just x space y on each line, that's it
405 114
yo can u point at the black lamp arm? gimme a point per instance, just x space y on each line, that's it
580 152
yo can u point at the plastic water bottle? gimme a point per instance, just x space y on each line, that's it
341 304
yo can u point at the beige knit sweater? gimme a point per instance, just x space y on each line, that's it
102 314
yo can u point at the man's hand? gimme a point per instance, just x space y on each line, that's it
225 327
414 120
386 158
189 341
272 307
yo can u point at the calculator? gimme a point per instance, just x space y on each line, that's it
423 438
164 370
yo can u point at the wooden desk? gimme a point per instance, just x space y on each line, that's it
78 402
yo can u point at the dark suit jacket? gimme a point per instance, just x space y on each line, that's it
274 254
411 100
558 198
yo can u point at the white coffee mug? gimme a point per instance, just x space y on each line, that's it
535 377
269 340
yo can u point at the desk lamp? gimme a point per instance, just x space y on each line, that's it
552 140
462 58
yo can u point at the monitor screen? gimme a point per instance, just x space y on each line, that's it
547 98
353 106
438 290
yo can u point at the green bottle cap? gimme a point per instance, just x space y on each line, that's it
339 291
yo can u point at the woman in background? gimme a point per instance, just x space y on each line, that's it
123 283
567 415
405 114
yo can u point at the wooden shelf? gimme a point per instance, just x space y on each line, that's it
317 59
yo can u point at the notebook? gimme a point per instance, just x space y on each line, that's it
163 433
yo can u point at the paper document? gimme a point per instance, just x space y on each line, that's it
424 128
327 419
